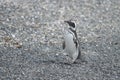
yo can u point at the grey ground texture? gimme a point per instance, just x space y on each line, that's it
31 39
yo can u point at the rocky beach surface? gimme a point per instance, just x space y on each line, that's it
31 39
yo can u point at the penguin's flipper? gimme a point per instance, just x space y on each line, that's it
63 45
79 55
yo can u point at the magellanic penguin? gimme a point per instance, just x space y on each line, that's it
71 43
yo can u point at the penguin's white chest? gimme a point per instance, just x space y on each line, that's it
69 43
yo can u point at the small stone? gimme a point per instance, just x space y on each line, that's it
17 44
7 38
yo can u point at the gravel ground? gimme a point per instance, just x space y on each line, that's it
31 39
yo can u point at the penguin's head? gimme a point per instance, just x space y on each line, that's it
71 25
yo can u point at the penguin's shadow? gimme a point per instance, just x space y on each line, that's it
63 63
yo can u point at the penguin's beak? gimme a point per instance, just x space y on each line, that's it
67 22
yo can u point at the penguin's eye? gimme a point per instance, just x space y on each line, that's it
73 25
